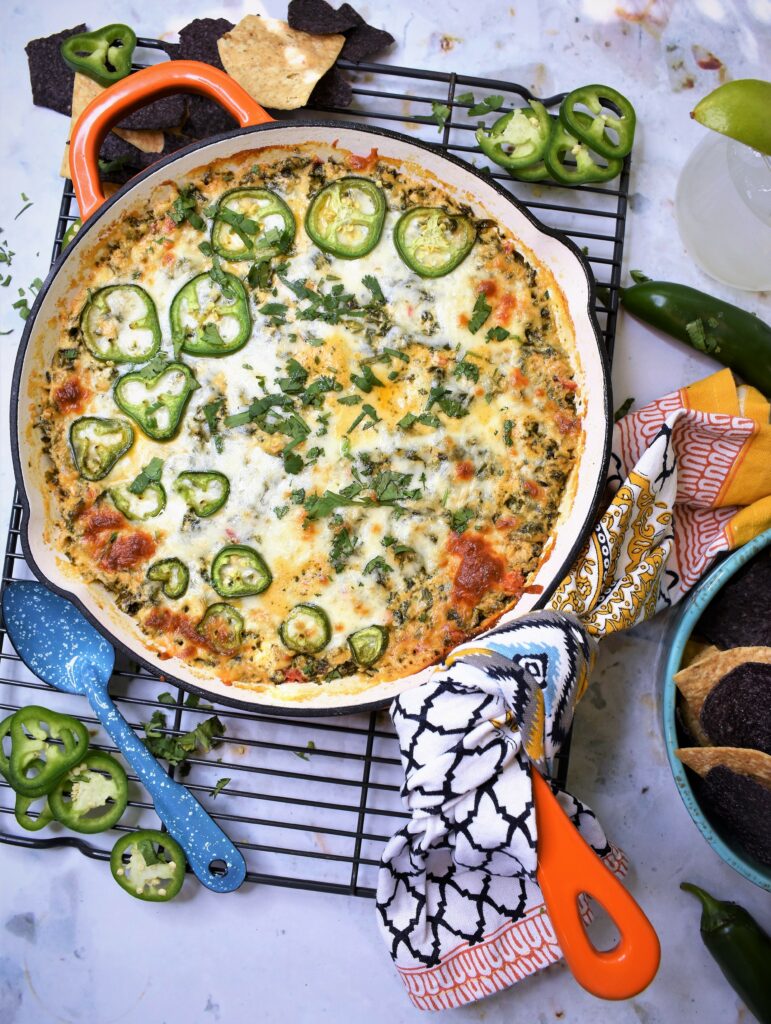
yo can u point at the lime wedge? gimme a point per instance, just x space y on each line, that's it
741 110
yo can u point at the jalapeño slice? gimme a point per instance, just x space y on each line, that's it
239 571
149 865
120 324
21 810
157 401
519 138
368 644
306 629
346 217
97 443
251 224
607 109
148 504
104 55
92 796
173 574
571 162
210 318
431 241
44 745
204 492
222 628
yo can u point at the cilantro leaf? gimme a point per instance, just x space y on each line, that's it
220 785
150 474
497 334
439 114
343 546
485 106
482 310
366 380
211 413
460 519
185 208
623 409
371 282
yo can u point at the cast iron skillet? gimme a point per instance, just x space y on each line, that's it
258 130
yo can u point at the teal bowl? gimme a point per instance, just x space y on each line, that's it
693 607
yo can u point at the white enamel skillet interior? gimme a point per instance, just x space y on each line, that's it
40 341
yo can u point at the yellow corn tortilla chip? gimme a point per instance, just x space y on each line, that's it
277 65
86 89
698 680
695 651
693 725
752 763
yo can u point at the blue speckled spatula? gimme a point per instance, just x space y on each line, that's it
57 643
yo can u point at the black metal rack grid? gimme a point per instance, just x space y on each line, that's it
312 801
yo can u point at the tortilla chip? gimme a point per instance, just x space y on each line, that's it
332 90
277 65
320 18
690 722
695 651
752 763
742 806
84 91
50 78
365 41
735 617
697 680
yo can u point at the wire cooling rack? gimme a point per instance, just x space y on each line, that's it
311 802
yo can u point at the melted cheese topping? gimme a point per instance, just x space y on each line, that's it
409 473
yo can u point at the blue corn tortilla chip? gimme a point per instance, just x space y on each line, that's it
738 614
198 41
364 42
319 18
50 78
332 90
742 806
737 711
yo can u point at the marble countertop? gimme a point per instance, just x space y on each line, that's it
73 948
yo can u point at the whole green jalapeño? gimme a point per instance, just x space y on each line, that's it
210 317
155 398
119 324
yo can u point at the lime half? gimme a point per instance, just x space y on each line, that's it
741 110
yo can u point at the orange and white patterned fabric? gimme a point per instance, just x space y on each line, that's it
458 902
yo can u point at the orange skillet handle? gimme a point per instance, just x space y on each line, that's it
567 866
135 91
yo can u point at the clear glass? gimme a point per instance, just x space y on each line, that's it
723 207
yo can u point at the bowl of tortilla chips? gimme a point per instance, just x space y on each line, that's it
717 708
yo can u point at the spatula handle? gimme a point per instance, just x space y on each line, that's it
567 867
200 837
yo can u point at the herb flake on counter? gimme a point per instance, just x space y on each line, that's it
485 106
623 409
439 114
26 200
305 754
177 749
219 786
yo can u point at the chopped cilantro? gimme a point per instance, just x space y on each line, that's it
367 411
466 369
211 413
260 274
305 754
280 511
185 208
481 312
149 475
371 282
220 785
700 339
465 97
276 311
396 547
314 393
439 114
350 400
295 380
508 426
343 546
450 406
205 248
427 419
366 380
379 567
485 106
460 519
497 334
177 749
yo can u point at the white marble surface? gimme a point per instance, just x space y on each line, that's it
73 948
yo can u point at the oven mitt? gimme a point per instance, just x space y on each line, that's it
457 900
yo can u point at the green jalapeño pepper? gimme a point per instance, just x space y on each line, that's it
239 571
608 109
431 241
5 732
71 231
204 492
740 947
104 55
306 629
92 796
251 224
519 138
155 397
346 218
221 628
172 574
21 810
44 745
148 504
149 865
736 338
368 644
120 324
571 162
97 443
211 317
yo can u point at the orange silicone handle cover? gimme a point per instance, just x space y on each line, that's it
567 867
135 91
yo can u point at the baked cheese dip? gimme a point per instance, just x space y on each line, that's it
312 422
